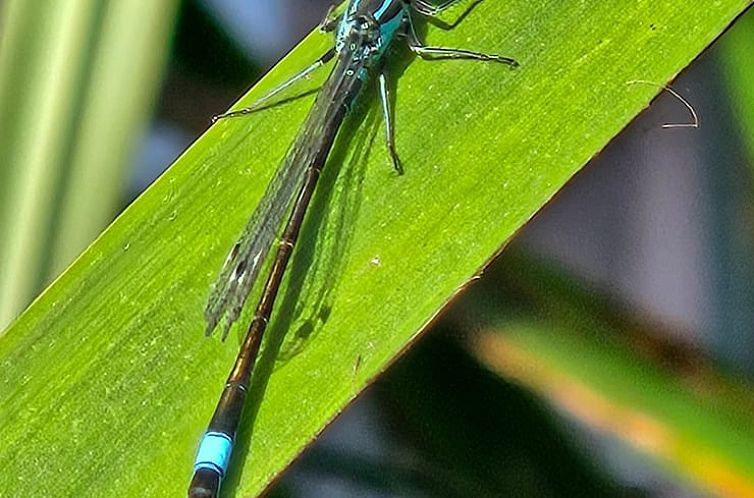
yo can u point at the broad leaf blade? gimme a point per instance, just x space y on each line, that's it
108 382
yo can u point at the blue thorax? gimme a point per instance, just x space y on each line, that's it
369 26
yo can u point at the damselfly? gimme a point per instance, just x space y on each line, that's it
364 33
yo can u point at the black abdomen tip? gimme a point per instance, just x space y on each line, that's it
204 484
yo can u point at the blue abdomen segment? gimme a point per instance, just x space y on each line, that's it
214 452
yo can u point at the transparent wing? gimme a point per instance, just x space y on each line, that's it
241 269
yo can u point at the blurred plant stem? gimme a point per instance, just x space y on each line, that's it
615 373
77 82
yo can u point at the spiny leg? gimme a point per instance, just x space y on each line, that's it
427 9
388 114
457 53
324 59
330 22
432 12
417 47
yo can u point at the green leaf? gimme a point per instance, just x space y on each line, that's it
107 382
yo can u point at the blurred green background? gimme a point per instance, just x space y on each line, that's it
606 352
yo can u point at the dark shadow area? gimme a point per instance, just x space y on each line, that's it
450 429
